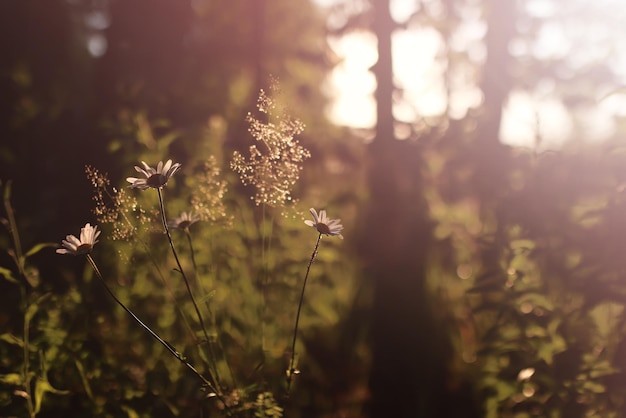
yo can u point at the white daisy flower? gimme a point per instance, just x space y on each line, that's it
184 221
75 246
325 225
155 178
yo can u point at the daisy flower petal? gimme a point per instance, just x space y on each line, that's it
155 178
164 168
325 225
184 221
75 246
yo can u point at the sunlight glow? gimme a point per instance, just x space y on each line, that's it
529 121
418 71
351 85
418 74
402 9
531 114
97 45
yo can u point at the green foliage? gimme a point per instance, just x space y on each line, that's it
523 251
543 309
244 263
177 79
32 346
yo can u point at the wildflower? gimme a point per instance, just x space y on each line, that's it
325 225
116 207
184 221
154 178
75 246
207 197
273 167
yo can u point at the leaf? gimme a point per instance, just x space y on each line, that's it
7 191
130 412
505 390
14 379
536 300
83 377
38 247
12 339
17 246
30 312
8 274
32 276
601 369
34 307
42 386
522 244
594 387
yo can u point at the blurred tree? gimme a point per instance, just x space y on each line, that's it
83 78
515 314
409 375
461 153
46 123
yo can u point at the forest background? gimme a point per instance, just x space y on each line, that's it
475 278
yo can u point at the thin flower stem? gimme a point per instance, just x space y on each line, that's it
169 290
210 342
179 356
292 368
193 256
182 272
154 263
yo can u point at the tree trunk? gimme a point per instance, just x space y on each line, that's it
395 250
409 375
